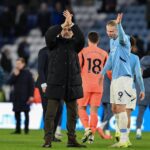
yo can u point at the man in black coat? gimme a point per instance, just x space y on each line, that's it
64 80
23 89
42 85
42 76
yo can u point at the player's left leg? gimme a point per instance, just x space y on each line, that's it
95 100
122 124
131 104
82 105
93 118
84 118
128 125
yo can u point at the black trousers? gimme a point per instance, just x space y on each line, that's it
51 112
140 115
18 121
57 120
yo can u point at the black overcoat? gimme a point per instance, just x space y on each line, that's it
64 79
23 88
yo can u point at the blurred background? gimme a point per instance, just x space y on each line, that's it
23 24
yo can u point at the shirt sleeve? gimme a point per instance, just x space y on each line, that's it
121 34
107 66
138 74
78 38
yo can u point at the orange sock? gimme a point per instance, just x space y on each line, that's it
84 117
93 121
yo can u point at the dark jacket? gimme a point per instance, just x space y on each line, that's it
23 89
64 79
1 77
42 68
146 73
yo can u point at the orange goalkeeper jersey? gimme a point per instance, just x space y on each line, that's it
92 60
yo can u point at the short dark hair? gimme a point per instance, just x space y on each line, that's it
93 37
22 60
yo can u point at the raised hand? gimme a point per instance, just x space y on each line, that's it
68 17
119 18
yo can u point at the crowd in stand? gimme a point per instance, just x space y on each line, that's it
19 17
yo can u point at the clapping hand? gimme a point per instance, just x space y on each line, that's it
68 20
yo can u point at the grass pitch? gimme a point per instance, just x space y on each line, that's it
34 140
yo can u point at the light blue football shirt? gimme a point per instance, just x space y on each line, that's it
119 57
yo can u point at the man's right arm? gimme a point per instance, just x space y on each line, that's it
138 74
121 35
79 38
139 79
108 66
51 34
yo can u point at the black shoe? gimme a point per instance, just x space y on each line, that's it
26 131
72 142
76 145
56 140
47 143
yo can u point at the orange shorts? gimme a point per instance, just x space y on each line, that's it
90 98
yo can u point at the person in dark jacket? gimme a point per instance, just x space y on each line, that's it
143 105
23 89
41 83
64 80
42 76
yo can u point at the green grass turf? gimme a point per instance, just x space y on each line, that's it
34 140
